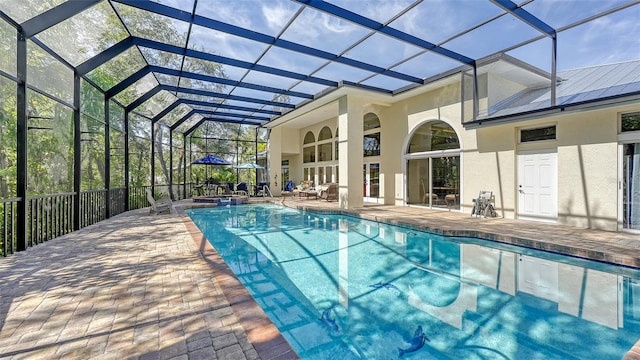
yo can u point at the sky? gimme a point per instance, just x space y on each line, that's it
610 39
445 23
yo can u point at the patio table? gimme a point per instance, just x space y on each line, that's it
308 193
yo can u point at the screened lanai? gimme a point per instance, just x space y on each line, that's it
102 99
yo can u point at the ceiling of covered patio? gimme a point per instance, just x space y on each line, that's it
182 63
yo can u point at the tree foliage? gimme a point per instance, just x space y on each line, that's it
50 145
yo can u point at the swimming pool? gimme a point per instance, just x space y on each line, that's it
342 287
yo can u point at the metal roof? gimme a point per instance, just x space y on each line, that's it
578 86
184 62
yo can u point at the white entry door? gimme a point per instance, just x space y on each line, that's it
537 185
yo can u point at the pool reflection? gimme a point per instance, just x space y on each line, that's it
474 299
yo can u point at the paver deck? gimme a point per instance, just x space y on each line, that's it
141 286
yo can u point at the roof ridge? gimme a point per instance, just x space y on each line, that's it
601 65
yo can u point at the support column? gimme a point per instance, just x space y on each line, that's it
274 160
21 141
107 158
153 159
77 158
554 74
350 147
126 160
171 165
184 166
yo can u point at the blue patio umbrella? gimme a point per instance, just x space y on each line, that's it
210 160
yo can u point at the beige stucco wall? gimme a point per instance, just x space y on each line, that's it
587 166
291 140
588 169
586 146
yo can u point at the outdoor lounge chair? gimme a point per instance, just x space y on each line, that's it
241 189
159 206
330 193
483 206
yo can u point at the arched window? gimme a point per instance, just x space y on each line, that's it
371 121
434 135
309 138
325 144
309 151
325 134
371 141
433 166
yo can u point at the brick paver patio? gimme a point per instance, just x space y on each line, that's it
140 286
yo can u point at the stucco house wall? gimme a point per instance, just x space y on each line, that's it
586 145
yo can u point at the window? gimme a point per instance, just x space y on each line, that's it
538 134
630 122
371 121
435 135
433 166
325 134
309 152
309 138
371 141
324 151
372 144
325 144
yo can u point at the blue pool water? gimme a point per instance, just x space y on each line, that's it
339 287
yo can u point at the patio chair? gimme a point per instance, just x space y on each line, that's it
483 206
330 193
159 206
241 189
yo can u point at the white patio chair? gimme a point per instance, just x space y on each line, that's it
159 206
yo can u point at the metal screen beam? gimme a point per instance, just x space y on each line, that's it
182 119
230 121
175 104
212 94
525 16
229 61
54 16
194 127
376 26
166 110
241 116
264 38
128 81
230 107
104 56
218 80
143 98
